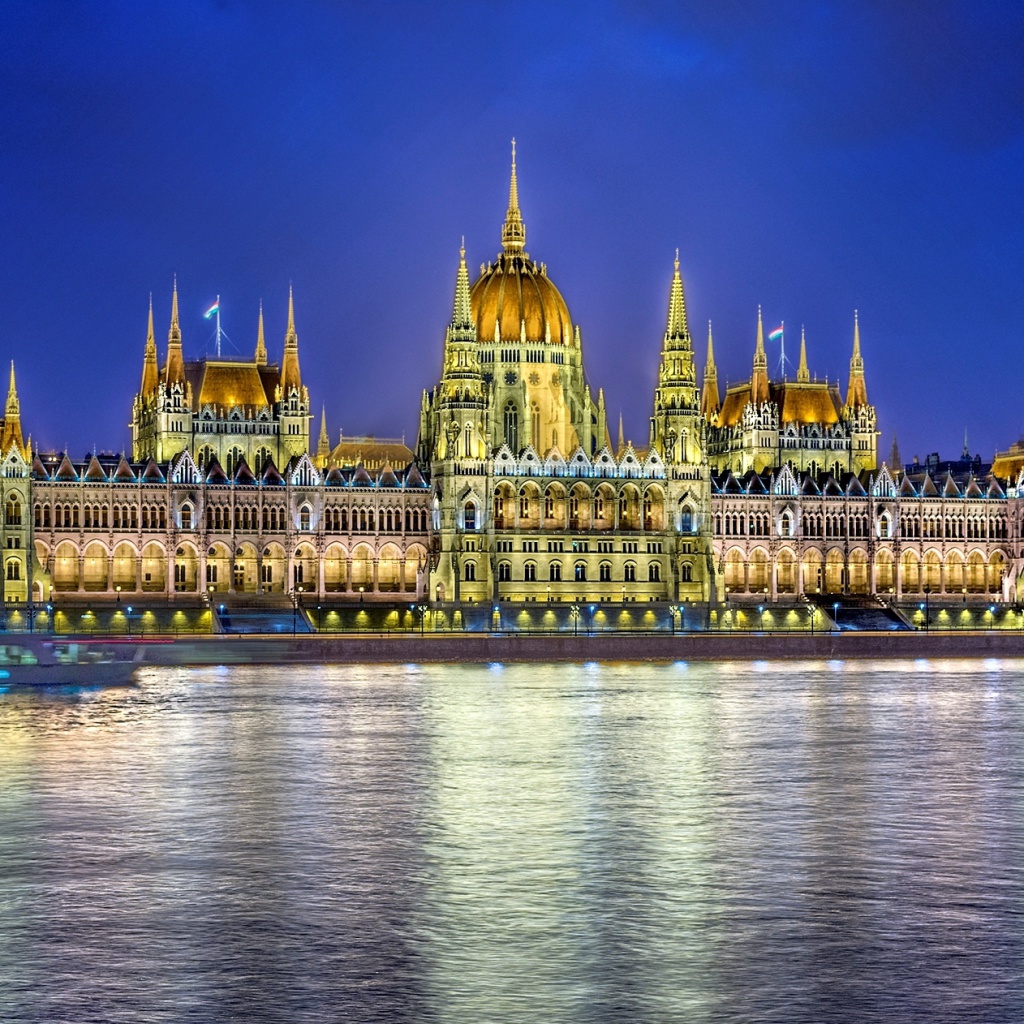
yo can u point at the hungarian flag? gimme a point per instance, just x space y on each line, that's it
776 335
213 310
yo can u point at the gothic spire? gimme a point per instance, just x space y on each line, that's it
462 314
261 344
150 370
174 371
677 327
513 231
290 374
709 400
12 418
803 375
857 391
759 393
323 445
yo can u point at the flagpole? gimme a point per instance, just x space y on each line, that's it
218 327
782 339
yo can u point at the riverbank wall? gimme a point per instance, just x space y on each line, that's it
512 647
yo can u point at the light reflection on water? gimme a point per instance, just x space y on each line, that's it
827 841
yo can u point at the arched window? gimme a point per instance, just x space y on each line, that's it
629 572
535 424
14 569
512 426
470 572
305 517
13 512
580 572
530 572
186 516
470 515
504 572
555 572
654 572
686 572
686 521
604 571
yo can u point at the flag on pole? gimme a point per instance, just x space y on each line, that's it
776 335
213 310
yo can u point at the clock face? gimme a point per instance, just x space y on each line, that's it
511 377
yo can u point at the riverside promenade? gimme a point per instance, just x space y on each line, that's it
399 648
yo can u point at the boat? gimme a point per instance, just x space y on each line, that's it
47 660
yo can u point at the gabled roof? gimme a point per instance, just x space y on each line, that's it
995 490
215 473
360 478
152 473
855 487
973 490
950 489
810 487
414 478
270 476
94 473
243 474
123 474
65 471
386 477
928 488
38 469
832 488
334 477
907 488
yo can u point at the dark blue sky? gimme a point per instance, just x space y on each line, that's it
810 157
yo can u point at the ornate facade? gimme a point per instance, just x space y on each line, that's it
514 493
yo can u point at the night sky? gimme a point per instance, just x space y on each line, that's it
813 158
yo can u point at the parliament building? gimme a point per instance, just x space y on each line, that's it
515 492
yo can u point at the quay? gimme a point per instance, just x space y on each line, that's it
456 647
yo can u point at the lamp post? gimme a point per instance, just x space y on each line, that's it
813 610
760 612
927 607
129 610
574 614
835 614
361 589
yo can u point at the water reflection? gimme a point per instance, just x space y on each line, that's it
803 842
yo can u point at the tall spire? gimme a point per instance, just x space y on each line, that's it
12 418
966 455
323 445
709 400
290 374
895 463
803 375
622 434
174 372
462 314
857 391
261 344
150 370
759 393
677 327
513 231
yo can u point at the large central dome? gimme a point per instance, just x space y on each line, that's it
514 300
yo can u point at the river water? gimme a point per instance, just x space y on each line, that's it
816 842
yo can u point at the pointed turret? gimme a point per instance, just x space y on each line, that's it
463 327
709 400
857 392
12 418
323 445
150 369
895 463
966 454
174 371
513 231
622 436
291 377
803 375
261 344
677 327
759 393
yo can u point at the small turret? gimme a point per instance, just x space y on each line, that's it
261 345
174 371
291 377
150 369
709 399
759 393
803 375
857 392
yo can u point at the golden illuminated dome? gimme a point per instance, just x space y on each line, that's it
514 294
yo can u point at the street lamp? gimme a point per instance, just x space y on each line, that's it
927 608
813 610
361 589
574 614
129 610
760 611
835 614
